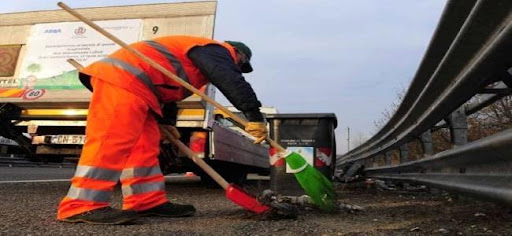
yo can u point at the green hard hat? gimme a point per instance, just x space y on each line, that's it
246 67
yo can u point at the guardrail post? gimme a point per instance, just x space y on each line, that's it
426 143
368 163
387 156
404 152
383 160
375 161
458 127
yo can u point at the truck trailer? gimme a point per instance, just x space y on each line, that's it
43 106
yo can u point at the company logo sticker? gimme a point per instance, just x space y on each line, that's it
80 31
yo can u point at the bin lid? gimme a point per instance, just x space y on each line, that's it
331 116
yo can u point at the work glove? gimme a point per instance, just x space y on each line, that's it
173 130
258 130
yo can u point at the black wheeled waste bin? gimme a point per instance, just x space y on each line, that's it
311 135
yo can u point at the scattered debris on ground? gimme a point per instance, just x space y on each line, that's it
386 212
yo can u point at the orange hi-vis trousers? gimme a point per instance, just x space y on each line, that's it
122 144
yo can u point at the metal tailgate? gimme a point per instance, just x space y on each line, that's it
232 146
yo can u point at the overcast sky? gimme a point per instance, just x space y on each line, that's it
341 56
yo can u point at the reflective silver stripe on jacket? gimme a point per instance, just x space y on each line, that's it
140 172
89 194
180 71
143 188
97 173
135 72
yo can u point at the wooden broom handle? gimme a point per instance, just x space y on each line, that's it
163 70
193 156
75 64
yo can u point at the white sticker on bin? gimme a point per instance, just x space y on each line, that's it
306 152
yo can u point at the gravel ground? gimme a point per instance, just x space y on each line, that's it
29 209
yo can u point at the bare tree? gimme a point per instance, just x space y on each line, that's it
491 119
389 112
487 121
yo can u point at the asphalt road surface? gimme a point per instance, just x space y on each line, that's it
13 174
28 208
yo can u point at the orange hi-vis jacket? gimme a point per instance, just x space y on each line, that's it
127 71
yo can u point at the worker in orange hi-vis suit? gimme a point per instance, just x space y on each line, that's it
122 134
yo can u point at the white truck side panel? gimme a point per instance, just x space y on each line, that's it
194 18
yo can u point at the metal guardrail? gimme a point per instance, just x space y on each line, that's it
471 49
462 169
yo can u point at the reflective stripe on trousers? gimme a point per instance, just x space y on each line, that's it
135 187
140 172
88 194
143 188
92 172
113 176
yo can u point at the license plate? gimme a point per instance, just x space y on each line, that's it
68 139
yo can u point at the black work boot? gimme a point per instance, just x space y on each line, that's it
104 216
170 210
